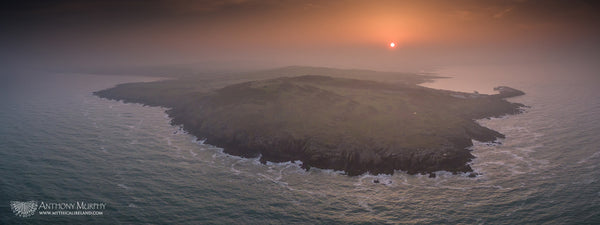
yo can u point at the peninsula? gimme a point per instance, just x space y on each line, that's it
351 120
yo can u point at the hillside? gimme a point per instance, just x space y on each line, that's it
344 124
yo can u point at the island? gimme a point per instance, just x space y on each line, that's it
349 120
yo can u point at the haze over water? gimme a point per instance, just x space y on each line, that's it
60 143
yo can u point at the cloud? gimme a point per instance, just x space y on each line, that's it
504 12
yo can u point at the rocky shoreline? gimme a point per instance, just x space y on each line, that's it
316 120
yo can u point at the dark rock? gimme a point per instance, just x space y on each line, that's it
332 123
473 174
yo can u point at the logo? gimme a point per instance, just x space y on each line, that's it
78 208
24 209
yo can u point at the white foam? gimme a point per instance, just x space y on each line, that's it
256 161
240 160
443 173
198 141
375 179
233 169
286 164
500 163
595 155
123 186
503 117
328 171
274 180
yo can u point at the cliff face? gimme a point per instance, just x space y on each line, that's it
352 125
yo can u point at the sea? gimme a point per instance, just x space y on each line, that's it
62 147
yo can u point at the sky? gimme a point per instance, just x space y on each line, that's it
270 33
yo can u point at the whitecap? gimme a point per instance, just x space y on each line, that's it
286 164
328 171
586 159
256 161
375 179
198 141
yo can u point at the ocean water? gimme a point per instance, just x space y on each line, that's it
59 143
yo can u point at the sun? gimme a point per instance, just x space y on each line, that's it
392 45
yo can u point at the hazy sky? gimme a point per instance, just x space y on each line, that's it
341 33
